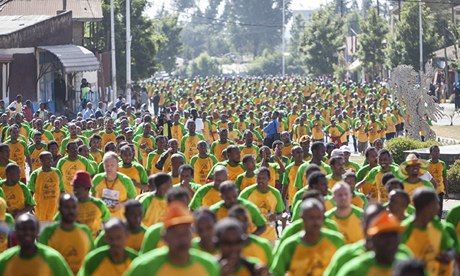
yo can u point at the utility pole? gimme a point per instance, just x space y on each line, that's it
283 46
399 10
112 50
128 51
420 3
378 8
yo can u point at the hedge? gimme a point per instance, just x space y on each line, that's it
397 146
453 178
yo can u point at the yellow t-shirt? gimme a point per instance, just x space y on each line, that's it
18 155
438 171
73 245
201 168
92 213
268 203
349 226
107 137
217 148
35 158
154 208
68 169
47 187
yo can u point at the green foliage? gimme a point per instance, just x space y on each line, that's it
453 178
321 41
171 45
255 25
270 64
371 48
397 146
203 65
147 39
403 46
298 28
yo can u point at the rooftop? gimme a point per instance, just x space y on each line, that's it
82 10
11 24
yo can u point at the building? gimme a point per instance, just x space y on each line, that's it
39 60
41 14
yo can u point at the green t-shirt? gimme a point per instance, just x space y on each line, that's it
300 176
297 226
367 265
256 217
98 262
152 238
295 256
157 263
46 261
351 251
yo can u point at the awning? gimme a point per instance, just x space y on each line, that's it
6 58
73 58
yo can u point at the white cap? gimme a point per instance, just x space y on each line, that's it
345 149
336 152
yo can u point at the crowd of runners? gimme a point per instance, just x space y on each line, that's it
222 176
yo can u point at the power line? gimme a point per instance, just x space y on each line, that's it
425 1
225 22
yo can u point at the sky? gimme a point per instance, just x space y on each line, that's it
296 5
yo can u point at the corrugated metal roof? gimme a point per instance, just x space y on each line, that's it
11 24
85 10
74 58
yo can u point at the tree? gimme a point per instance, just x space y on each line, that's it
171 45
371 48
145 43
255 24
403 46
321 40
298 28
204 65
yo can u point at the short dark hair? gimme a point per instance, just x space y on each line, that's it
422 197
387 177
227 186
160 179
314 178
186 167
176 193
411 266
316 145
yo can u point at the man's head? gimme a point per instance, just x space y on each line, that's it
127 154
318 181
384 159
116 234
233 153
220 175
4 152
337 165
426 204
228 193
110 162
312 213
240 213
249 162
263 178
81 185
177 222
342 195
26 228
384 236
162 182
297 154
204 223
68 208
318 150
13 173
46 159
178 194
230 237
133 213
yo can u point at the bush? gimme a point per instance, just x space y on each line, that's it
453 178
398 145
204 65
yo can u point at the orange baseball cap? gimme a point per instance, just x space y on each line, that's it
384 223
176 214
